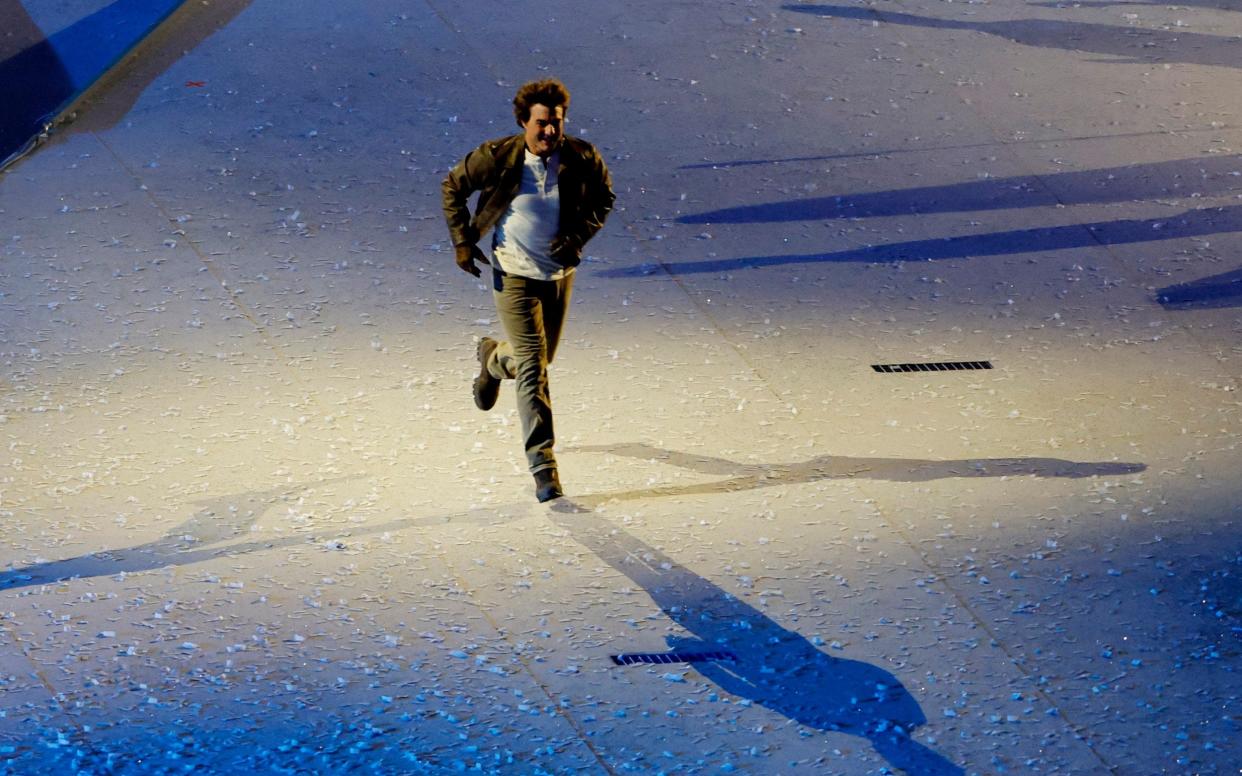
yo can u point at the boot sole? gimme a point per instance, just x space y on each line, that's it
486 388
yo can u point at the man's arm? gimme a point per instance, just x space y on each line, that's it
596 206
599 200
461 181
464 179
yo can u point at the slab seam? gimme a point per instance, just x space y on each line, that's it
943 579
194 246
526 667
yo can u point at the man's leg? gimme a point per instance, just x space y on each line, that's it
532 313
555 308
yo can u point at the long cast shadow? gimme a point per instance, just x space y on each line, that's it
217 520
1209 176
775 667
878 152
1217 291
1129 44
742 476
199 539
1192 223
1223 5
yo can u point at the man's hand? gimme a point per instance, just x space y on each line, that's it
466 256
566 251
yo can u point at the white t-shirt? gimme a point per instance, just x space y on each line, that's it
522 242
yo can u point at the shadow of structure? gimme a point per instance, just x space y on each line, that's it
40 77
191 24
871 153
1211 176
1135 45
1217 291
833 467
774 667
1192 223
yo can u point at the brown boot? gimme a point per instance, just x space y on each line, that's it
547 485
486 387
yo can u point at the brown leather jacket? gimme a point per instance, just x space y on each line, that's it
494 169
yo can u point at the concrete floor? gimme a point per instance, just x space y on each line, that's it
254 520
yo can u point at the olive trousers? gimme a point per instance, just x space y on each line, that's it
532 313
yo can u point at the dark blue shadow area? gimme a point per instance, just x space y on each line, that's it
1192 223
1130 44
89 47
33 82
775 667
261 734
1217 291
1209 176
40 80
834 467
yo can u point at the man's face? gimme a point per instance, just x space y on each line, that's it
543 129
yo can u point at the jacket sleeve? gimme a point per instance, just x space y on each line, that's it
597 203
466 177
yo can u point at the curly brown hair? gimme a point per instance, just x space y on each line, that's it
550 92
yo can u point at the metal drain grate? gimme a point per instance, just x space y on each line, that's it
671 657
935 366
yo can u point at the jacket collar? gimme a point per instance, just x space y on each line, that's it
515 155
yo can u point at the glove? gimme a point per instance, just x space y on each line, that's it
566 251
466 256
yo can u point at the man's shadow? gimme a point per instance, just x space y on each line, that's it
742 476
774 667
217 520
